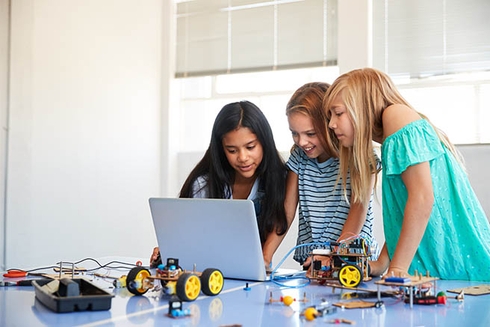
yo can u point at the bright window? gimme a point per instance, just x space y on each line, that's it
436 52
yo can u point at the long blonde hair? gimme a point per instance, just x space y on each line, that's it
366 93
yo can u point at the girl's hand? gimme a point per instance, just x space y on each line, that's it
307 263
396 272
378 267
324 259
268 264
155 257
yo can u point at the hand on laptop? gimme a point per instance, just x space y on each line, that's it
267 263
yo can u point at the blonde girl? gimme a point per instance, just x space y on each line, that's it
433 221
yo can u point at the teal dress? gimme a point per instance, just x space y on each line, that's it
456 243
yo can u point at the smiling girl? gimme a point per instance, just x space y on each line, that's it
324 213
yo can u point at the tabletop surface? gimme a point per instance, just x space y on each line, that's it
244 303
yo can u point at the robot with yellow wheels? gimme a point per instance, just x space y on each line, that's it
187 285
346 261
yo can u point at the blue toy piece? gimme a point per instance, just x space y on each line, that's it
175 309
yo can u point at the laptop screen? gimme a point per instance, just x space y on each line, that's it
210 233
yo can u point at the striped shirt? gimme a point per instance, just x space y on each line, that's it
323 208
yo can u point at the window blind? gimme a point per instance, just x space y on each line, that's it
420 38
230 36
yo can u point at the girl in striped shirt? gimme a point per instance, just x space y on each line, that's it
325 213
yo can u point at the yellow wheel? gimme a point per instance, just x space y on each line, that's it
136 281
188 287
212 281
350 276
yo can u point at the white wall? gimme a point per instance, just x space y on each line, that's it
85 129
4 40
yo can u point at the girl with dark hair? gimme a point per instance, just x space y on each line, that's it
242 162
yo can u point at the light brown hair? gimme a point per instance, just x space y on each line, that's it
308 100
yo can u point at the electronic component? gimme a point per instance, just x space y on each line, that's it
401 280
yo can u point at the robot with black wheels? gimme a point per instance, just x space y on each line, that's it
187 285
347 263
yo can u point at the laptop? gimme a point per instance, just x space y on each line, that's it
210 233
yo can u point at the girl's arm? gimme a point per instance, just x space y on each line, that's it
418 182
356 217
290 203
418 208
353 223
379 266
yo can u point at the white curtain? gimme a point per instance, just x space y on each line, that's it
229 36
420 38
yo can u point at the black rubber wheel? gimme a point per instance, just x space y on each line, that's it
134 280
188 287
212 281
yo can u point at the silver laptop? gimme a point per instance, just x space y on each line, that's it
210 233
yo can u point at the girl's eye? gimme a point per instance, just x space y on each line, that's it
336 113
311 134
231 151
251 147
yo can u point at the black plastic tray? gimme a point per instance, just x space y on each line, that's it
90 298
